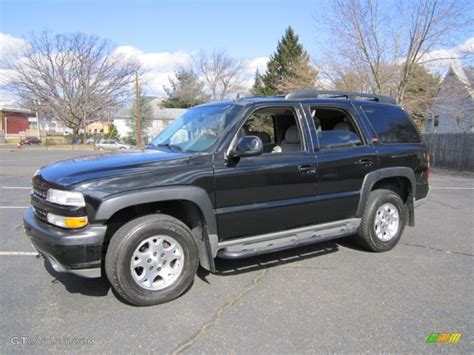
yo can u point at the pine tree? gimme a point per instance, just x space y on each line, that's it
185 91
302 75
287 69
257 87
113 132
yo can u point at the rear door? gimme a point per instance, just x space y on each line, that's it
344 157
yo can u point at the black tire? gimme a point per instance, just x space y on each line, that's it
127 239
367 237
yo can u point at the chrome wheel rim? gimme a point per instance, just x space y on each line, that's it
387 221
157 262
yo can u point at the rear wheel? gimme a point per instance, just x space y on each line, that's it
383 221
152 260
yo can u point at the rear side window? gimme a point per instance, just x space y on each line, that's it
391 124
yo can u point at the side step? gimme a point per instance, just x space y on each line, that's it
266 243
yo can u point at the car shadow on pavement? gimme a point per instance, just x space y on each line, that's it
350 243
227 267
100 287
97 287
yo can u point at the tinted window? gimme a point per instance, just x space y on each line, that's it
335 128
391 124
276 127
338 139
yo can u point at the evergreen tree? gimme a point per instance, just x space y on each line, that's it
287 69
257 88
113 132
185 91
302 75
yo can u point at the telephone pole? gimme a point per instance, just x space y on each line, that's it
138 118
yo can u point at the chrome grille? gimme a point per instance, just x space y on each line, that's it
40 192
41 213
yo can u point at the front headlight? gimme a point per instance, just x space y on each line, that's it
66 198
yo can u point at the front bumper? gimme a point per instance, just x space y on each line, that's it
78 252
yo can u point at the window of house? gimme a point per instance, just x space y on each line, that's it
277 127
335 128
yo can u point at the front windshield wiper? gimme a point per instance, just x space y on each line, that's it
171 147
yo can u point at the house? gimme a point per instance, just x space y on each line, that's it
97 127
160 118
18 122
52 126
453 108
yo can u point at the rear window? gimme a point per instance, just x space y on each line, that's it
391 124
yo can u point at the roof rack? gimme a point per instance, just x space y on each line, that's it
313 93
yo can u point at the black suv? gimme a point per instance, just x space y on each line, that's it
231 180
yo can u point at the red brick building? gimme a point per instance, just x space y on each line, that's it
14 121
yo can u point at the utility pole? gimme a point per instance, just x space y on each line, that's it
38 119
138 118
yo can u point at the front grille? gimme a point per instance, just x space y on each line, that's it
39 191
41 213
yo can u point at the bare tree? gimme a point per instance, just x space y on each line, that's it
221 73
382 46
74 77
432 22
358 47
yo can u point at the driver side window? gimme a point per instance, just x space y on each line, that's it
276 127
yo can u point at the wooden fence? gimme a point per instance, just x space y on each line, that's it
451 150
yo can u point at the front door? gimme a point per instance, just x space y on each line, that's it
275 190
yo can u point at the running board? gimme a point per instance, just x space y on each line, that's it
266 243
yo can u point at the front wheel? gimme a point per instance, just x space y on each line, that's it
383 221
152 260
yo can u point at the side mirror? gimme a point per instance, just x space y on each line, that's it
248 146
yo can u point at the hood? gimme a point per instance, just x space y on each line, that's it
71 172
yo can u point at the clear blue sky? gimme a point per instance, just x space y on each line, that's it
245 28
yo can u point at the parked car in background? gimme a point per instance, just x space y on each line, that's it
111 144
30 140
90 141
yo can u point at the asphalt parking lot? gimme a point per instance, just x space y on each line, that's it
331 297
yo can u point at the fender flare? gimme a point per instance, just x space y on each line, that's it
377 175
194 194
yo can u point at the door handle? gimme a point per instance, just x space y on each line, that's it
307 169
366 163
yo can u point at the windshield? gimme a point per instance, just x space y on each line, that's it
198 129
